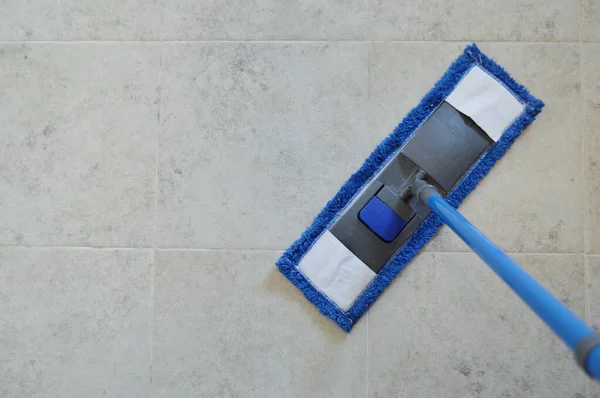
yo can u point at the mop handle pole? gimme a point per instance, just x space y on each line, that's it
578 336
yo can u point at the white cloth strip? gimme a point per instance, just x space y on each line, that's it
335 271
486 101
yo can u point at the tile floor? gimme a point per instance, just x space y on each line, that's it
157 155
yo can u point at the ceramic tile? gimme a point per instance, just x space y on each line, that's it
590 20
522 204
78 143
593 295
591 128
256 138
229 324
513 20
74 322
401 74
265 20
80 20
448 326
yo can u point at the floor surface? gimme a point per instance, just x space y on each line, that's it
156 156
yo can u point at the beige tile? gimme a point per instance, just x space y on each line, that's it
74 322
78 143
513 20
265 20
590 20
227 323
593 297
591 128
256 138
448 326
522 204
80 20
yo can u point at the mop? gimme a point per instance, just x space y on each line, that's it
412 183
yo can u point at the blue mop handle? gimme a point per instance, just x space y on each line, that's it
578 336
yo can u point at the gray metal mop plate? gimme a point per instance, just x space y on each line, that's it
445 147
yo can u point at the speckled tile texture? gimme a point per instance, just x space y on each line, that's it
593 312
275 119
80 20
220 331
78 143
75 322
590 20
265 20
591 131
511 20
450 327
157 156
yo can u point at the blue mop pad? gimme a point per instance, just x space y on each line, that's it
289 263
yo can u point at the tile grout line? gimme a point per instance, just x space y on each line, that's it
257 249
248 249
586 309
67 247
586 315
161 41
156 192
582 130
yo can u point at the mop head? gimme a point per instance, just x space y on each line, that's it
336 280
